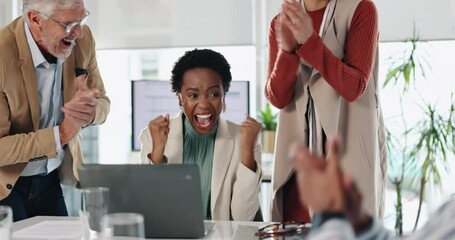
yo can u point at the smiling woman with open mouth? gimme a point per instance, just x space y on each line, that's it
228 155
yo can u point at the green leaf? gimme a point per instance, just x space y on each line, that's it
268 118
407 72
391 74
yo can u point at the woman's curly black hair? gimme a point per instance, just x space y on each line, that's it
201 58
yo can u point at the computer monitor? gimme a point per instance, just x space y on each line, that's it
151 98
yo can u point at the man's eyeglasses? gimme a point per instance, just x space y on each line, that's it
69 26
281 229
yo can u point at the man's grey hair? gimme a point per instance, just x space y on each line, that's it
47 7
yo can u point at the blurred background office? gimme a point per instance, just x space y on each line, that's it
141 39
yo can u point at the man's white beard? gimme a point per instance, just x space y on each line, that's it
52 47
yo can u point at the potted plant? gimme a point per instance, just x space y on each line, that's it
435 141
416 149
269 123
402 70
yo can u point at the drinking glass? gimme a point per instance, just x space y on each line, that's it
6 222
94 205
123 226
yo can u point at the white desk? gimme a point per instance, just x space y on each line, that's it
222 230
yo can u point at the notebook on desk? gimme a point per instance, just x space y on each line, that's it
169 196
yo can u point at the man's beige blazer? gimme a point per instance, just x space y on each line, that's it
21 140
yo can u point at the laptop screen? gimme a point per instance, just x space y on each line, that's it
169 196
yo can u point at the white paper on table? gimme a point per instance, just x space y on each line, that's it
51 229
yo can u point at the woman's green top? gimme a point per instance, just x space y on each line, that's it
198 149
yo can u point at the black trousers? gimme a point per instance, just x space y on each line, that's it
36 195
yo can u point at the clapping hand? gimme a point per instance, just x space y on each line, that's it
320 180
324 187
79 111
82 107
299 23
284 36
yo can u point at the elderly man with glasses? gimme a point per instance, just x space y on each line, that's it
50 88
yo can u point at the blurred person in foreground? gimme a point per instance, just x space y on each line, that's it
336 201
44 104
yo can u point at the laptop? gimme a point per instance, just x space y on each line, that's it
169 196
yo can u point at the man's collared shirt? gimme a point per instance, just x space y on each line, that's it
49 85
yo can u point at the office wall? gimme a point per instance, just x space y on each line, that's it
124 24
434 20
5 12
120 24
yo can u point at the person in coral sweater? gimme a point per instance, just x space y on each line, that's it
322 74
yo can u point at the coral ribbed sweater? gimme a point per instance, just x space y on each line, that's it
347 76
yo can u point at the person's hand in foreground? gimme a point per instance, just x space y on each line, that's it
324 187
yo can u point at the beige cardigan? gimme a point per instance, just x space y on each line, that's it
235 188
20 138
359 124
